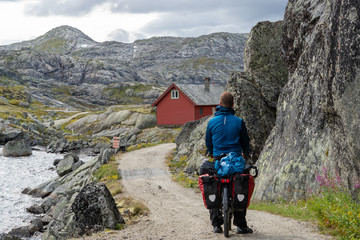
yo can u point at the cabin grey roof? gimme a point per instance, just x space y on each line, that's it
200 96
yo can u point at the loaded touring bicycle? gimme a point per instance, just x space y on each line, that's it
228 191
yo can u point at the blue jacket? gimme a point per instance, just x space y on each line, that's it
226 133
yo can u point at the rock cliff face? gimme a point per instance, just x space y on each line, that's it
257 89
66 56
318 112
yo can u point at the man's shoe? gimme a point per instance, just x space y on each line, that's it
243 230
217 229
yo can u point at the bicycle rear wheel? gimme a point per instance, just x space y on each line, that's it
226 211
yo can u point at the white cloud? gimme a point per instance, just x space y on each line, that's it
121 35
97 24
101 19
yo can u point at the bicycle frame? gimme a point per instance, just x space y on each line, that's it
227 208
226 188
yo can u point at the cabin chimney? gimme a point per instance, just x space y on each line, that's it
207 84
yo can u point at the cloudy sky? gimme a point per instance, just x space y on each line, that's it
128 20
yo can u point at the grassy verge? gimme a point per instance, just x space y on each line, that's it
176 168
110 176
334 208
298 210
140 146
129 208
148 144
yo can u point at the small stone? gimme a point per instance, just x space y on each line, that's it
35 209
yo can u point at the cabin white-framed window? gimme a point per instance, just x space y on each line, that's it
174 94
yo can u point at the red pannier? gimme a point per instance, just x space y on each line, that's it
242 190
210 189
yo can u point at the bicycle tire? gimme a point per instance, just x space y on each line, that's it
226 211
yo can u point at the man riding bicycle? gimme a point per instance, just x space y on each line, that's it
227 133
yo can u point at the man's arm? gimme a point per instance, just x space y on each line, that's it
208 140
244 140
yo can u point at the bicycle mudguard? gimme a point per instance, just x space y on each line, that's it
242 190
210 188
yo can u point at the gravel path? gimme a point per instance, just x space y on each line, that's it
179 213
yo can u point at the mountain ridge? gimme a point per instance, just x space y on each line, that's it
65 33
67 56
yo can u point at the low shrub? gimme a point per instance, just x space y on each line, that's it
335 207
140 146
107 172
180 164
14 102
185 180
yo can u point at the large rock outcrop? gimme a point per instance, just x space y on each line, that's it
318 113
95 208
17 148
66 165
8 133
256 90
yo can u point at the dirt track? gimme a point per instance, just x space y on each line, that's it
179 213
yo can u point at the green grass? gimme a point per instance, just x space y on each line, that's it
179 164
7 81
297 210
143 145
55 45
140 146
203 63
185 180
118 93
176 167
140 108
13 93
110 176
333 208
66 90
107 172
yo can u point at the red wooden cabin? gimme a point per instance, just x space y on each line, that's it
182 103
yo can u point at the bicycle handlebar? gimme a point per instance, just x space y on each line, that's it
246 171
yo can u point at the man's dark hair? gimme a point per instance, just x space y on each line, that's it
227 100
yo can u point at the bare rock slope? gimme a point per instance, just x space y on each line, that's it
318 112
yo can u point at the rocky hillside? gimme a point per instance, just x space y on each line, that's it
68 66
317 124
